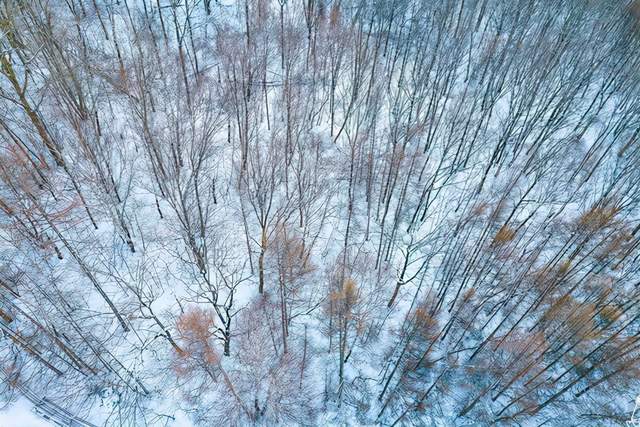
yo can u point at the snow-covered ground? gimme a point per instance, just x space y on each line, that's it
320 212
21 414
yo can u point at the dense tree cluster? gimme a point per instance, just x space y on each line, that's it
316 212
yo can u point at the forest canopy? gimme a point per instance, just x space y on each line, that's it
320 212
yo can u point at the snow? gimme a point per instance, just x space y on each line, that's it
181 420
167 280
20 414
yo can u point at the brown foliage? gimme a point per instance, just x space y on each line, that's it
616 247
503 236
346 297
597 218
564 267
194 332
5 316
427 325
292 255
557 307
480 209
580 321
5 208
335 15
350 292
610 313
